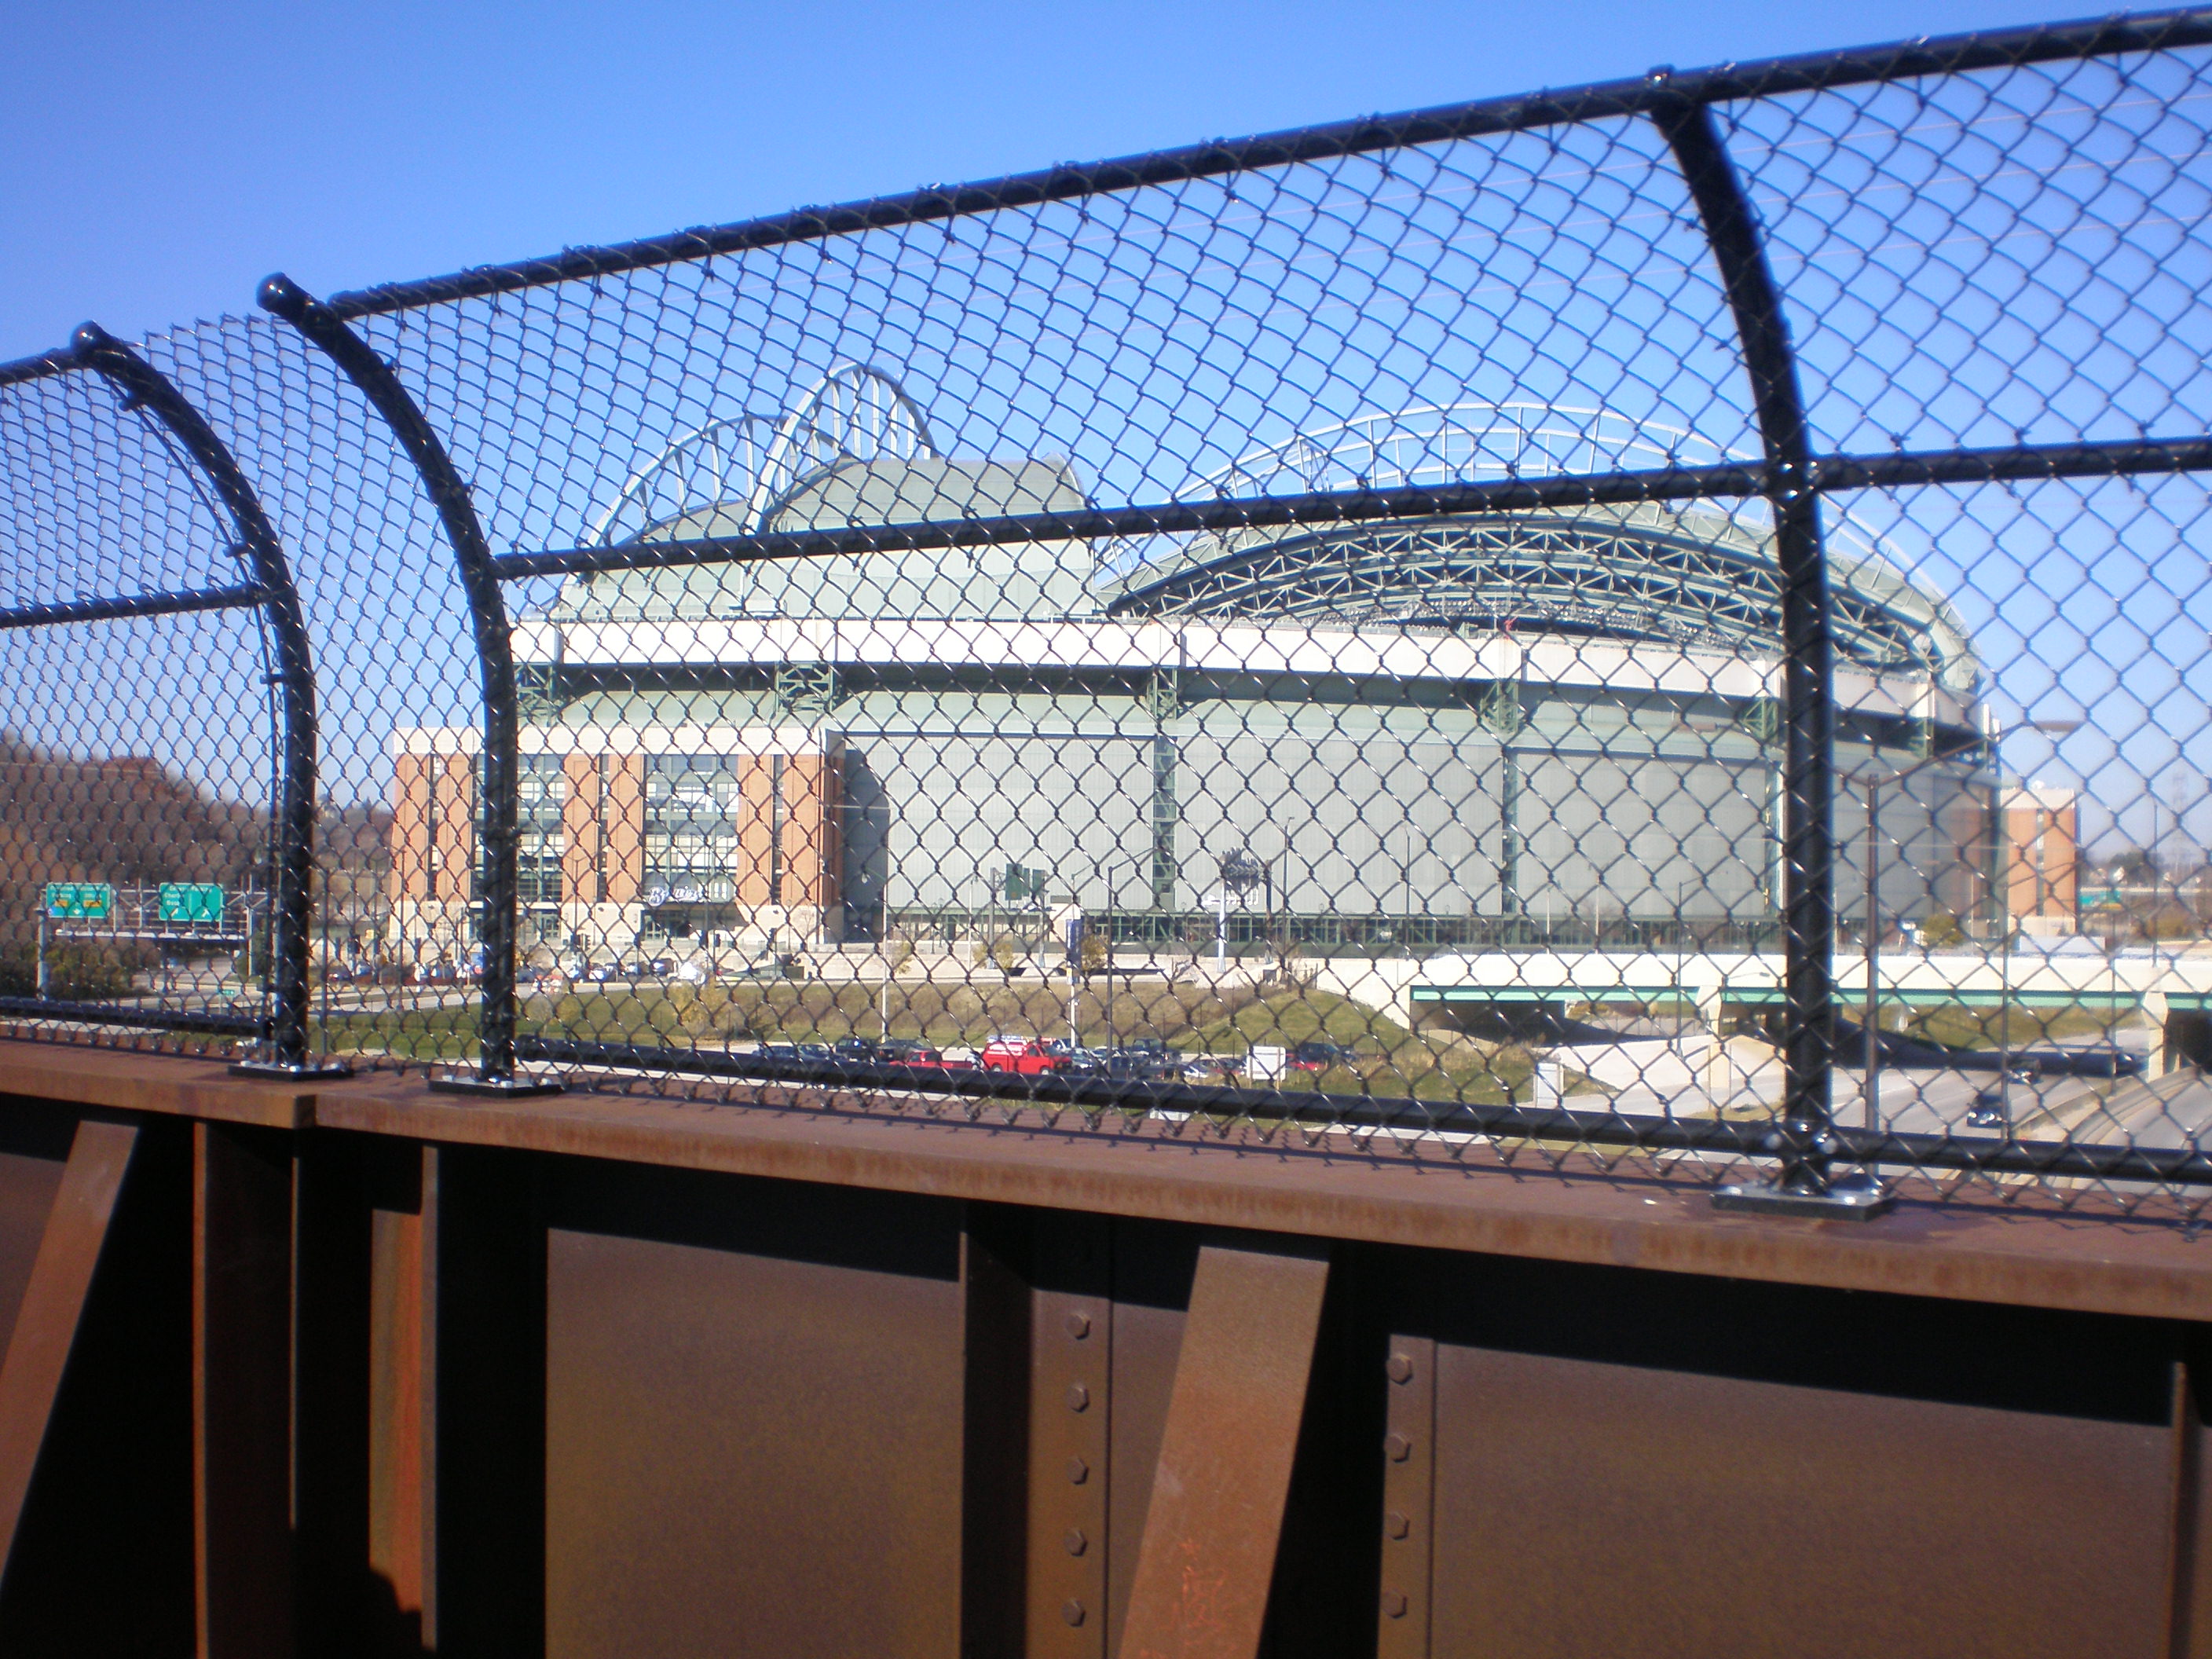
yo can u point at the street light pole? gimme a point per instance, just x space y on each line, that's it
1869 1031
1870 1020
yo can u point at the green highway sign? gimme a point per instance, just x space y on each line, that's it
186 900
80 901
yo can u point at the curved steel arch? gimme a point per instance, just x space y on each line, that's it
273 594
499 832
818 436
724 451
1443 444
855 412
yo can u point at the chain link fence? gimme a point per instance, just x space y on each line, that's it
1661 622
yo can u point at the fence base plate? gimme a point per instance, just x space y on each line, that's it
1854 1198
463 1083
305 1072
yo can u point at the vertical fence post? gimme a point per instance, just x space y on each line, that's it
498 832
146 387
1805 1141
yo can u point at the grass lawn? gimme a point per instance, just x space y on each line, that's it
1388 1059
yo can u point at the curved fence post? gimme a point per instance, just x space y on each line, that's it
1805 1142
498 832
148 388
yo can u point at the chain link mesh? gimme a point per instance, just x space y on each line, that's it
1657 623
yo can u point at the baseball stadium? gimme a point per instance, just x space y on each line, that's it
1439 733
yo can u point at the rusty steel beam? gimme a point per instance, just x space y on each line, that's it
2189 1571
53 1306
1408 1497
1207 1559
1070 1374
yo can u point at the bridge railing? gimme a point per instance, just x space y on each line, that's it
1659 619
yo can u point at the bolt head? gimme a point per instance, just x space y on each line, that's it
1398 1447
1076 1543
1078 1470
1073 1611
1078 1324
1400 1368
1396 1524
1394 1603
1077 1396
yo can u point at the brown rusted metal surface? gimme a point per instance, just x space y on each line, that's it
2002 1249
171 1086
570 1398
53 1302
2182 1525
1207 1556
1625 1466
396 1387
1153 1267
241 1389
754 1419
1332 1187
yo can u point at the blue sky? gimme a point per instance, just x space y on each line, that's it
161 159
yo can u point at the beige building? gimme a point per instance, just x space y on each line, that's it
2042 857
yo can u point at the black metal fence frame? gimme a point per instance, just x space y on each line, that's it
1810 1147
282 1030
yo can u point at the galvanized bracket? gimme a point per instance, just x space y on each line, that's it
1853 1198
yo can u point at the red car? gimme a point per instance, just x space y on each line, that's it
1022 1057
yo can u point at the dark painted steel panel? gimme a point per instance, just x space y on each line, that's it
34 1141
103 1558
754 1412
242 1385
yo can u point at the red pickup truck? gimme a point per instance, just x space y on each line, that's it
1021 1056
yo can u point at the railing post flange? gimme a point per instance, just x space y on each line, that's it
463 1083
1856 1197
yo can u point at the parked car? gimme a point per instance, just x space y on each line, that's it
859 1051
1147 1062
918 1056
1022 1056
1315 1055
